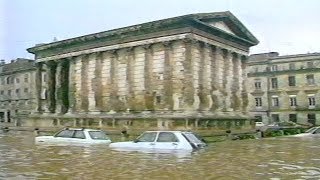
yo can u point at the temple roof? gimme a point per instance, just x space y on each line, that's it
223 24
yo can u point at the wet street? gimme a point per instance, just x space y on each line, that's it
275 158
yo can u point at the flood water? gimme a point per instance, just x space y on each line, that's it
275 158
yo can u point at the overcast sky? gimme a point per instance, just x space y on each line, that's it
286 26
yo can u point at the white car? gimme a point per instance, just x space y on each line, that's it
162 140
312 132
75 136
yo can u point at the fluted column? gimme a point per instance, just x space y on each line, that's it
97 82
84 84
130 78
236 88
38 78
244 93
62 86
149 86
204 77
58 87
227 79
72 85
217 79
167 76
51 67
188 93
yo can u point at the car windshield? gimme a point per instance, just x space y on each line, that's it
65 133
311 130
193 138
98 135
147 137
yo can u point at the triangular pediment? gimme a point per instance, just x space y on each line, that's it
227 23
222 26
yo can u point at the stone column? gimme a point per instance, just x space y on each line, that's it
130 78
72 86
114 99
58 87
90 82
51 65
227 79
97 82
167 75
148 77
217 79
38 78
188 92
204 77
64 89
244 93
236 95
84 84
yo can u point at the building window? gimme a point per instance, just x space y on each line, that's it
17 80
8 80
275 117
258 118
12 80
312 100
293 117
274 68
26 90
2 81
293 101
274 82
258 101
310 79
158 99
310 64
312 119
9 92
17 91
2 92
26 78
275 101
292 66
257 85
292 81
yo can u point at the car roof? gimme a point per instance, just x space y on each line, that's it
171 131
83 129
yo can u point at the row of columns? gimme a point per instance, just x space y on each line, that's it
216 80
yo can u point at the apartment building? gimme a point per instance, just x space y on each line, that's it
17 89
284 88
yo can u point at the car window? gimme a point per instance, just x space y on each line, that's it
317 131
147 137
65 133
167 137
97 135
192 138
79 134
310 130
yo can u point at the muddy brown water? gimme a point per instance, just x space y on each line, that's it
273 158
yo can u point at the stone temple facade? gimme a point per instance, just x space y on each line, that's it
189 68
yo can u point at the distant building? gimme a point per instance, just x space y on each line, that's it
285 88
17 89
190 68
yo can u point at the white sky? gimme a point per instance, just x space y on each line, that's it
286 26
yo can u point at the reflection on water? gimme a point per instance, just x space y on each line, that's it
277 158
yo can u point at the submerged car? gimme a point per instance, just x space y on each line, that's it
312 132
163 140
76 136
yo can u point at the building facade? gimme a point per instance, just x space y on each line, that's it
17 90
285 88
191 67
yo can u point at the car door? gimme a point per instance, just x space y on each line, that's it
166 140
64 136
146 140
